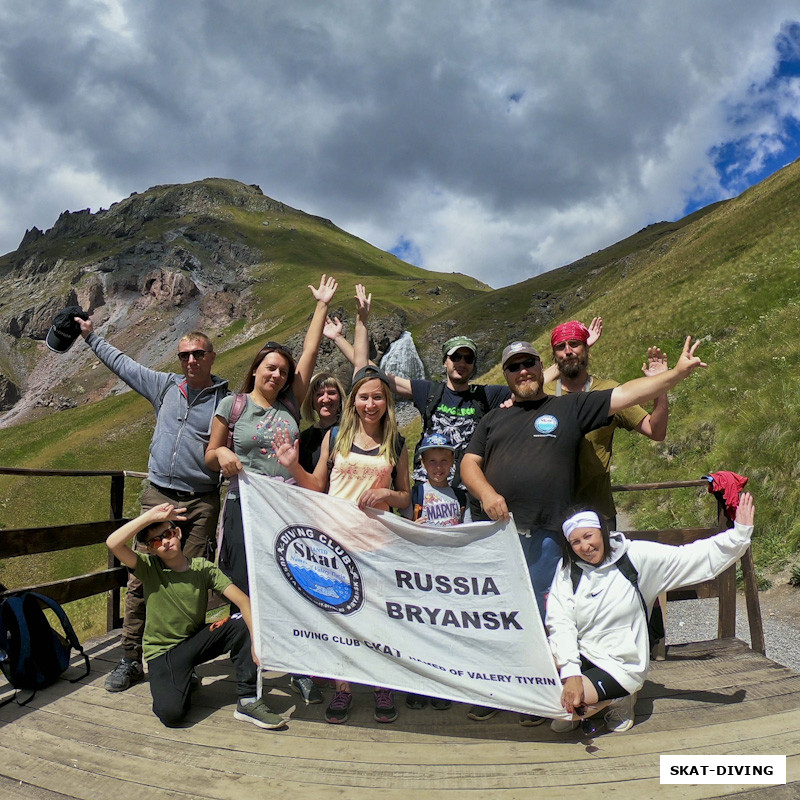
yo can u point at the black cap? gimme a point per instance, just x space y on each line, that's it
370 371
64 330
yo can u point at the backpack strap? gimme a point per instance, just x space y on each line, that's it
624 565
237 409
69 631
434 398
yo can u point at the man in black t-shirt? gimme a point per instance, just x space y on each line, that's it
522 460
452 407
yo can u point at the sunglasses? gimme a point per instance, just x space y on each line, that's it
468 358
184 355
157 541
528 363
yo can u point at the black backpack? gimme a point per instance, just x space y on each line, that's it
32 654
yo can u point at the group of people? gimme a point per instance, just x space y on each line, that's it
531 449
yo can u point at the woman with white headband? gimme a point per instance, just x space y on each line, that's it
600 601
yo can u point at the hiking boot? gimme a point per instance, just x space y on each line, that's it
530 720
259 714
304 686
621 714
481 713
564 725
440 704
384 706
338 709
128 671
416 701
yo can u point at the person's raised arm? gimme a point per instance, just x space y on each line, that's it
642 390
117 542
288 455
654 425
493 504
308 359
397 384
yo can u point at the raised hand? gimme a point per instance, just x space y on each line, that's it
595 331
656 362
286 450
363 301
688 361
745 513
332 328
326 290
164 512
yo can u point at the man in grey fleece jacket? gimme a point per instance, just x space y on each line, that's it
184 406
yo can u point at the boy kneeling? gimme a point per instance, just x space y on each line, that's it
176 636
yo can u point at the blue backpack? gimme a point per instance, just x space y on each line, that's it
32 654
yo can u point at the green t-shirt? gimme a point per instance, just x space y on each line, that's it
176 601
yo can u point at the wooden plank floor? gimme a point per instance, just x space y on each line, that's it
79 741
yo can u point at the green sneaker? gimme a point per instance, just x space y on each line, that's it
259 714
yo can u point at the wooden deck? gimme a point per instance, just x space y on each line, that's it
79 741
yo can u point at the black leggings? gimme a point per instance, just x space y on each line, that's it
607 687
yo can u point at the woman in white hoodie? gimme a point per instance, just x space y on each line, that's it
598 608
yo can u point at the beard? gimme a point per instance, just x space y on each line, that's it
529 390
572 367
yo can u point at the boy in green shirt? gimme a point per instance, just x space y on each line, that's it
176 636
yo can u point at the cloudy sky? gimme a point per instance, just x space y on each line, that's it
496 138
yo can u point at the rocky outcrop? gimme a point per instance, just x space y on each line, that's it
9 393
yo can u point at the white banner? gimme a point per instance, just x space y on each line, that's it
375 599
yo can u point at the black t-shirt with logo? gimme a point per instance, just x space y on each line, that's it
530 453
454 416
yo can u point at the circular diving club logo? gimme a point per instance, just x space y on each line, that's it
319 569
547 423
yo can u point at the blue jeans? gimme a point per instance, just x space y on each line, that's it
542 550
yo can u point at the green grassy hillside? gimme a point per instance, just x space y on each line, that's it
728 275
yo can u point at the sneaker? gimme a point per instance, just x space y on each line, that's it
481 713
564 725
621 714
384 706
304 686
416 701
338 709
128 671
530 720
440 704
259 714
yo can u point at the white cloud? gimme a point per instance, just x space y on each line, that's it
498 140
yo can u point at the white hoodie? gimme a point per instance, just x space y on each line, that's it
603 619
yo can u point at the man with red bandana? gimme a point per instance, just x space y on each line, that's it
571 357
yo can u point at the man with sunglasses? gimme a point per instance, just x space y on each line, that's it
184 405
452 407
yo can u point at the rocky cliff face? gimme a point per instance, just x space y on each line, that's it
147 269
149 264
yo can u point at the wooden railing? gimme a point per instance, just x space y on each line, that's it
48 539
724 585
29 541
